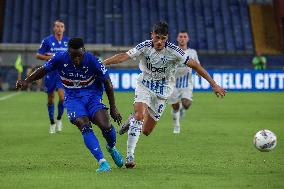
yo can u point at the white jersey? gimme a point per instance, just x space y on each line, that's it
184 73
158 67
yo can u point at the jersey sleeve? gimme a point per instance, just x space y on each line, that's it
182 57
195 56
52 64
138 50
44 47
99 69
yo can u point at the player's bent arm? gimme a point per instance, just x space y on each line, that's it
116 59
201 71
36 75
43 57
110 94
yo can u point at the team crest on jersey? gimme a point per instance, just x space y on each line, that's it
65 43
53 43
164 59
86 69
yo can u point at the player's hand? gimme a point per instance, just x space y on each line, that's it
115 115
219 91
21 84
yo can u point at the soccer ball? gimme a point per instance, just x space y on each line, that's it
265 140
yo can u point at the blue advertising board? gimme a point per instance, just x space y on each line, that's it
231 80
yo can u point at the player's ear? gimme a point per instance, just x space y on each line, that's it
151 34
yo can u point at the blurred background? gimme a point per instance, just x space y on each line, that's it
227 35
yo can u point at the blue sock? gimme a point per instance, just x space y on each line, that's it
110 136
92 142
50 108
60 107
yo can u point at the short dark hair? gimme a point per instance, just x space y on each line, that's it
58 20
76 43
182 31
161 28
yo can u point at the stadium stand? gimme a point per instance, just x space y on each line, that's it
223 26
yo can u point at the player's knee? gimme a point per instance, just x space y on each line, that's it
86 128
146 132
50 99
186 104
105 126
175 106
83 124
139 116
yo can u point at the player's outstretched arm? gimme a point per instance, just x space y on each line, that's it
36 75
219 91
116 59
110 94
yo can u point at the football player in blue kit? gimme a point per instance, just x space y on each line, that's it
49 46
84 78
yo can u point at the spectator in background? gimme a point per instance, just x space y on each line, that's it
259 61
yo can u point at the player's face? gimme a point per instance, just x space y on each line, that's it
159 40
59 28
182 39
76 55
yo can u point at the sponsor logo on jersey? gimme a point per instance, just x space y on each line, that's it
58 49
156 69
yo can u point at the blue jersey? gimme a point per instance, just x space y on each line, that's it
89 75
50 45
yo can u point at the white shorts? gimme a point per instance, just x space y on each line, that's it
156 105
180 93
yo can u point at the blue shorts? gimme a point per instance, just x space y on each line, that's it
52 82
86 104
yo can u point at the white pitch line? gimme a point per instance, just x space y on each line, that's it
9 96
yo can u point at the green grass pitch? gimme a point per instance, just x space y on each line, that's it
214 149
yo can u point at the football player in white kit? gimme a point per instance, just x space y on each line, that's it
158 61
181 98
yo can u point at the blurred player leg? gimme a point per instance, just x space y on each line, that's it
50 107
174 100
181 110
60 106
176 117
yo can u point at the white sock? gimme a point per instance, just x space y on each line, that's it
133 136
176 116
102 160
